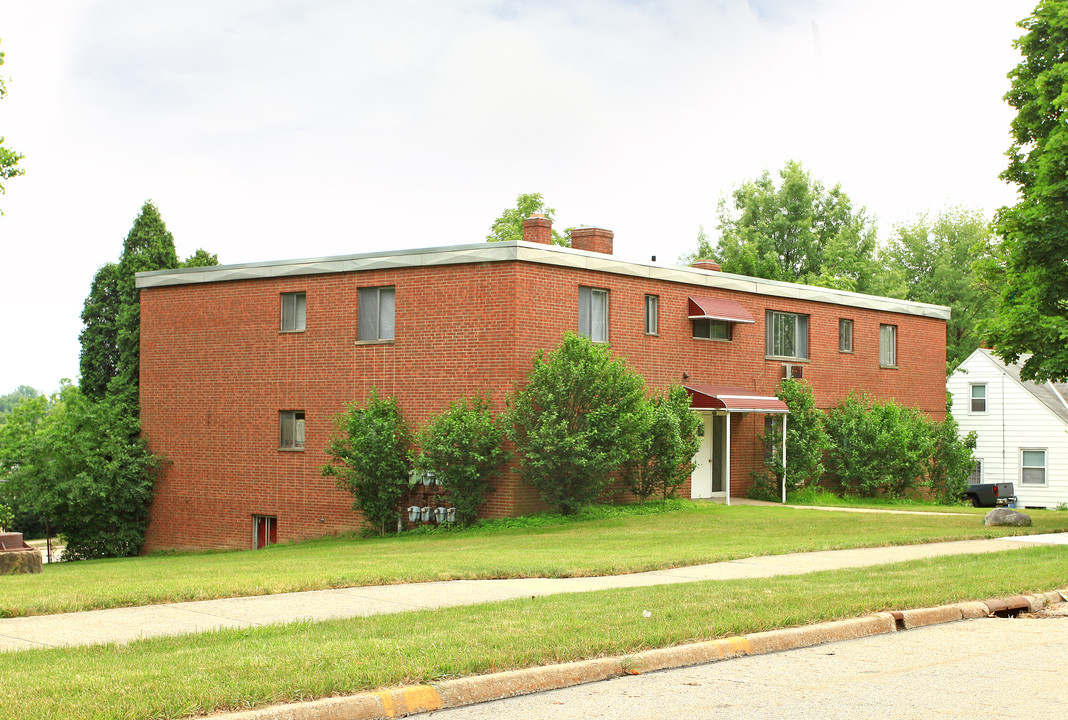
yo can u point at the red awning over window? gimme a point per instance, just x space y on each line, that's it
718 309
733 399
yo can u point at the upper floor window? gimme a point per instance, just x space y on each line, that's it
652 314
293 311
292 429
711 329
888 345
377 314
845 335
593 314
787 334
978 398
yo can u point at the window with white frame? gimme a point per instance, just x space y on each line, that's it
294 306
976 475
377 314
1033 466
845 335
977 398
888 345
787 334
291 435
593 314
652 315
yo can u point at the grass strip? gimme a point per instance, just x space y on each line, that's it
687 533
234 669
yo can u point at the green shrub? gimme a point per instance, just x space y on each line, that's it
951 459
370 459
661 457
573 422
462 446
877 448
806 443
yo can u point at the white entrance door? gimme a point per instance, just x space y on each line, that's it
706 481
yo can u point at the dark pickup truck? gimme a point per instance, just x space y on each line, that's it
990 494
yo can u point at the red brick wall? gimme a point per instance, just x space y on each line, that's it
216 371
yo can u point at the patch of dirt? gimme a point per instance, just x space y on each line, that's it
1056 610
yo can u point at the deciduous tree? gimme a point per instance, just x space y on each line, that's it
1029 268
9 159
509 226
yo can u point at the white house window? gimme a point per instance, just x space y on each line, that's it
652 313
1033 467
787 334
377 314
888 345
593 314
845 335
978 398
976 475
293 311
292 430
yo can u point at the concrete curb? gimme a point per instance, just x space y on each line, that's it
400 702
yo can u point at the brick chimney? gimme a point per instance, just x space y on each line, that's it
706 265
538 229
592 239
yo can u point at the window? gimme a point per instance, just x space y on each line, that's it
377 314
652 311
1033 467
888 345
593 314
787 334
292 430
293 311
264 531
978 398
976 475
845 335
711 329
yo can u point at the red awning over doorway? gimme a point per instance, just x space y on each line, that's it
733 399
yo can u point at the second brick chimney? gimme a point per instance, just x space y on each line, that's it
592 239
538 229
706 265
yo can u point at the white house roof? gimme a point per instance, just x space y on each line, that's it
536 253
1053 395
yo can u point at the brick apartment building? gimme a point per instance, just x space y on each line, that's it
243 367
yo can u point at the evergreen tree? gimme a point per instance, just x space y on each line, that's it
100 334
148 246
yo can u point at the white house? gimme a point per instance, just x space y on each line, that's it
1022 428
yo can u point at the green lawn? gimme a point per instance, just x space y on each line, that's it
231 669
688 534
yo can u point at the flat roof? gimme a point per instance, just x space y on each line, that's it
536 253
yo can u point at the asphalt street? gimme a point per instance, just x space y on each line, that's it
988 668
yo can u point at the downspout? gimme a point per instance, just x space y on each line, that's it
727 450
784 459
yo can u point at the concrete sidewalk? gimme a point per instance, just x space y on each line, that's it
128 624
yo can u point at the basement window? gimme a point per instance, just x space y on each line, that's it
264 531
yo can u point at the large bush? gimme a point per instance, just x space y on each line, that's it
806 443
878 448
462 446
951 458
661 457
370 459
83 466
574 421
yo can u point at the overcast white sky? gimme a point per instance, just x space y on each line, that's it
303 128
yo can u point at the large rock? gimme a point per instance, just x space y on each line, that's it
1004 516
27 560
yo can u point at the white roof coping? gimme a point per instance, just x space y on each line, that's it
536 253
